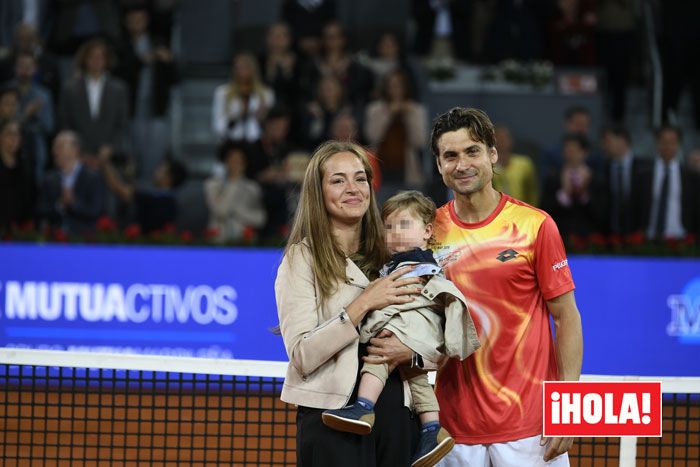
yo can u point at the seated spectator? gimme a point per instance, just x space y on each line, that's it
17 185
35 109
336 61
514 174
95 104
241 104
345 128
396 127
71 196
235 202
146 65
572 195
320 113
153 207
306 20
27 41
387 57
9 103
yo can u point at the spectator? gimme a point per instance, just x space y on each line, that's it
396 126
440 28
624 177
241 104
17 185
306 20
571 33
616 39
94 104
514 174
577 121
146 65
571 196
36 110
671 201
77 21
153 207
336 61
9 103
516 31
266 166
27 41
235 203
319 114
344 128
71 196
388 56
693 162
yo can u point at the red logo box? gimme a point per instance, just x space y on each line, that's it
587 408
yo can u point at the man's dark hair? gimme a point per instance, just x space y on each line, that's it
617 130
475 121
576 109
664 128
581 140
228 146
177 171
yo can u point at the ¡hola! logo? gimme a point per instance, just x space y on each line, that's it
624 408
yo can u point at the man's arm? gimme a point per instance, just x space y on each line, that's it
569 335
569 349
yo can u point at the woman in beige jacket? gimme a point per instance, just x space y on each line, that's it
323 292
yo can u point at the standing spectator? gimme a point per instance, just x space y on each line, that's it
396 126
36 110
337 61
235 202
72 195
319 114
242 103
572 195
440 28
671 200
152 207
146 64
76 21
516 31
17 182
624 177
94 104
345 128
514 174
693 161
306 19
388 56
571 33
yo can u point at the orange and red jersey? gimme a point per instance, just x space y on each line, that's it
507 266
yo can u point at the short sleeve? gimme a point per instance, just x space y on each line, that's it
551 265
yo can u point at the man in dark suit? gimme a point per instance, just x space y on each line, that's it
95 104
671 200
623 179
72 195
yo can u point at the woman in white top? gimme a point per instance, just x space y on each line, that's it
241 104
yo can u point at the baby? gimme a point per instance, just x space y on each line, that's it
435 324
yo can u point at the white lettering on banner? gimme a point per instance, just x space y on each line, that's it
137 303
568 408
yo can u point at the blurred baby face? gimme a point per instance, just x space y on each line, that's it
406 231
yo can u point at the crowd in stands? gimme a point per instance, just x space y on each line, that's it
85 92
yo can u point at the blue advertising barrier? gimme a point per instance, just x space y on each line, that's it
641 316
216 303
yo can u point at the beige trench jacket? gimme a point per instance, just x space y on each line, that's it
426 327
321 341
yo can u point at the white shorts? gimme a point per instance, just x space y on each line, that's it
518 453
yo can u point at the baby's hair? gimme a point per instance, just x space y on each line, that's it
416 202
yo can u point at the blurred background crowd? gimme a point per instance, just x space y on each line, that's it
182 118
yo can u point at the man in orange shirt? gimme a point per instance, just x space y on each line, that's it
508 259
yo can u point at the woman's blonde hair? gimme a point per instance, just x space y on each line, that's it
232 90
312 222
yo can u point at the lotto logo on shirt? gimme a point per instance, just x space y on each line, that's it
625 408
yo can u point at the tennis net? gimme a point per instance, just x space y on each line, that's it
89 409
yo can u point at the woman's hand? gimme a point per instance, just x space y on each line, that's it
382 292
387 348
